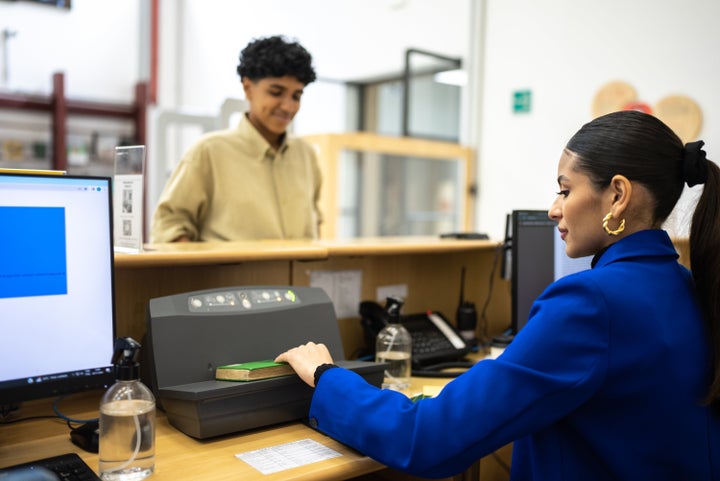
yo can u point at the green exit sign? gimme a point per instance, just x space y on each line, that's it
522 100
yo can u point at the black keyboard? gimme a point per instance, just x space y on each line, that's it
66 467
426 342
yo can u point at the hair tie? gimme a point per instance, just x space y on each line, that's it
694 163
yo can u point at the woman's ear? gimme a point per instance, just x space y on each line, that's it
621 190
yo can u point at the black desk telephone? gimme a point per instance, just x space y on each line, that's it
436 344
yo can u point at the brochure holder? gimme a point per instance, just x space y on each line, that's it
128 198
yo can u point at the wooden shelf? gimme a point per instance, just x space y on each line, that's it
60 107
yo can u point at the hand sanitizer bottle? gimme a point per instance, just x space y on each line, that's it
127 420
394 347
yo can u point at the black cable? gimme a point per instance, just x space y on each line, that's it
503 465
56 410
18 420
437 370
58 415
7 409
483 313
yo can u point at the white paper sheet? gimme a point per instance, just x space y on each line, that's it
287 456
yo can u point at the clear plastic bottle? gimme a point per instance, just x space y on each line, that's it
127 420
393 346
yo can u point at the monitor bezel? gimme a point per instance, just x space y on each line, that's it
515 218
16 391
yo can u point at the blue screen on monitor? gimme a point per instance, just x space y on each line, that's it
32 252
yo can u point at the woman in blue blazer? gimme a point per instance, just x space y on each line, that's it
615 376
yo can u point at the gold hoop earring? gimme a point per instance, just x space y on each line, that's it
607 219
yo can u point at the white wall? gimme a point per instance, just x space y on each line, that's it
564 51
96 44
349 40
561 50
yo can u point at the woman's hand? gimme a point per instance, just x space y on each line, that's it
305 359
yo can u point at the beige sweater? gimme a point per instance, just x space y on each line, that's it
231 185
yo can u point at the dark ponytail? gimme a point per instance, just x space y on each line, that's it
705 265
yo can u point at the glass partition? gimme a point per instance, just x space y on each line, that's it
392 186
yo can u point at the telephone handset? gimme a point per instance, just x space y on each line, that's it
436 344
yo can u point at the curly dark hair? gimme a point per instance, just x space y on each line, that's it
276 56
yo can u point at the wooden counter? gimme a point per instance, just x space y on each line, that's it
430 268
181 457
213 253
178 456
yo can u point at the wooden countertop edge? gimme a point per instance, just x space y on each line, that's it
200 253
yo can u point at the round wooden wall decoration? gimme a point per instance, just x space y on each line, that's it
613 96
681 114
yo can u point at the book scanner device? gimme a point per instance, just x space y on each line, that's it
189 335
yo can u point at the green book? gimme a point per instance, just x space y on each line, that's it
253 370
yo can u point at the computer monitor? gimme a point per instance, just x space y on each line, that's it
537 258
56 285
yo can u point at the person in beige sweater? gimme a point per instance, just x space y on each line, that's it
254 181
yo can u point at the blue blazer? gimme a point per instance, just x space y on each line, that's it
605 382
